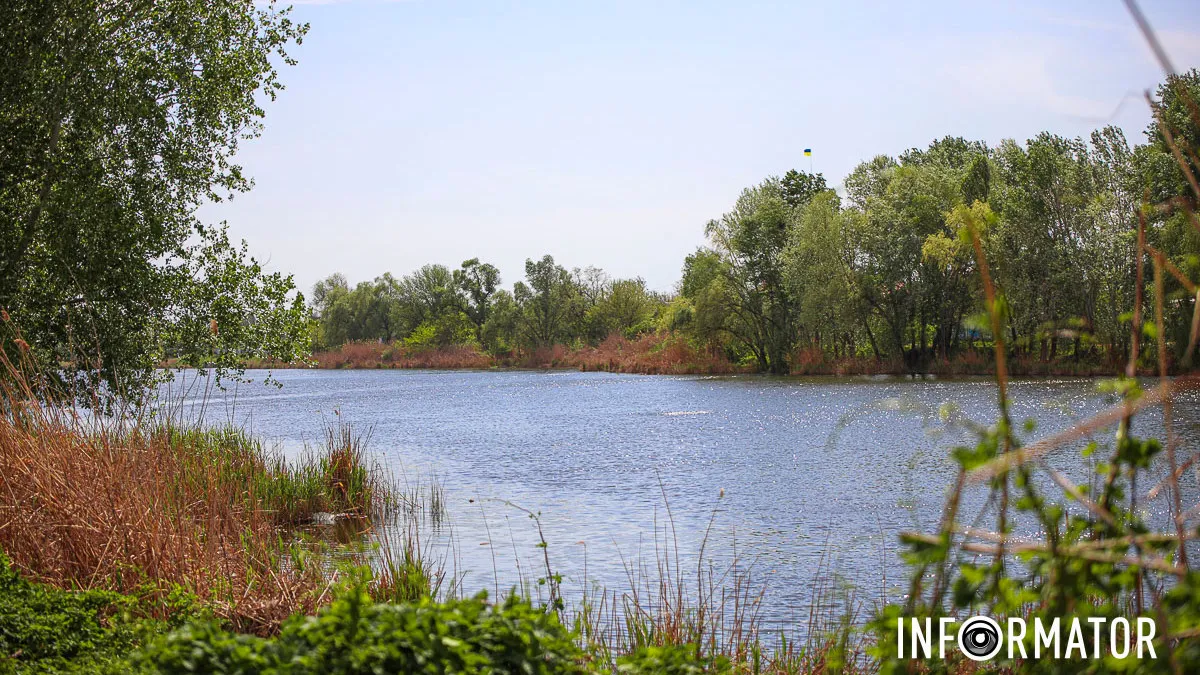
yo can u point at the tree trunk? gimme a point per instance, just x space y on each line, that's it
871 337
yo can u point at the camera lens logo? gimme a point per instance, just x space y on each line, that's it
979 638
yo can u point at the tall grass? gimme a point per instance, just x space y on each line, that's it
167 511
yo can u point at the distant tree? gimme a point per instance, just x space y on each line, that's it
477 282
818 274
326 291
750 240
709 301
627 308
593 284
1178 106
501 332
699 270
549 300
424 295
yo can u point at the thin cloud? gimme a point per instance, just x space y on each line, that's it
1019 69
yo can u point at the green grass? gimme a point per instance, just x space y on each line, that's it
336 478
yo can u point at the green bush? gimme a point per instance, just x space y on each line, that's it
355 635
671 660
47 630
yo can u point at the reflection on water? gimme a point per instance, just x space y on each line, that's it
796 476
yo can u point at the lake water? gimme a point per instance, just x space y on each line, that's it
790 478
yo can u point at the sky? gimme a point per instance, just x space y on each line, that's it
609 133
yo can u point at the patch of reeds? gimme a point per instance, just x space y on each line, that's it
709 610
167 511
378 355
336 479
651 354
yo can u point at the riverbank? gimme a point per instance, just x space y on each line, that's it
672 355
694 617
163 547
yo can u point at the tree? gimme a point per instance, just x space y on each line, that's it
501 331
117 120
903 206
800 187
477 282
1043 194
626 308
549 301
819 276
750 241
709 300
1176 113
326 291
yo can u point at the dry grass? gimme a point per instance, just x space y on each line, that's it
164 512
654 354
380 355
110 510
672 354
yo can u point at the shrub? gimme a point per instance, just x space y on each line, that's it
354 635
671 660
47 630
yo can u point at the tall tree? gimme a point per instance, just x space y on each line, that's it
550 301
799 187
117 119
750 240
477 282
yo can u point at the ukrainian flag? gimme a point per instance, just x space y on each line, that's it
808 152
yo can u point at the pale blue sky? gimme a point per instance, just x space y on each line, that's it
608 133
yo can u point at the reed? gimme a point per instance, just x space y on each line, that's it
166 510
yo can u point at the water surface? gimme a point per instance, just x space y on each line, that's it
793 478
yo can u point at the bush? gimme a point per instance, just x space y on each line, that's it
354 635
671 660
47 630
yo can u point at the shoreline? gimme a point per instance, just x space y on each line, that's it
856 368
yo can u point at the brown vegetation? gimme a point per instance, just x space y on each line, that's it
165 513
671 354
656 354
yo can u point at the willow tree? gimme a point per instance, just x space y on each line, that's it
750 241
117 120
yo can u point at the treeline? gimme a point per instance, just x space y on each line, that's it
795 271
436 307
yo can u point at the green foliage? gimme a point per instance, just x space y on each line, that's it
47 630
477 281
671 660
119 120
354 635
550 301
800 187
1082 567
750 241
